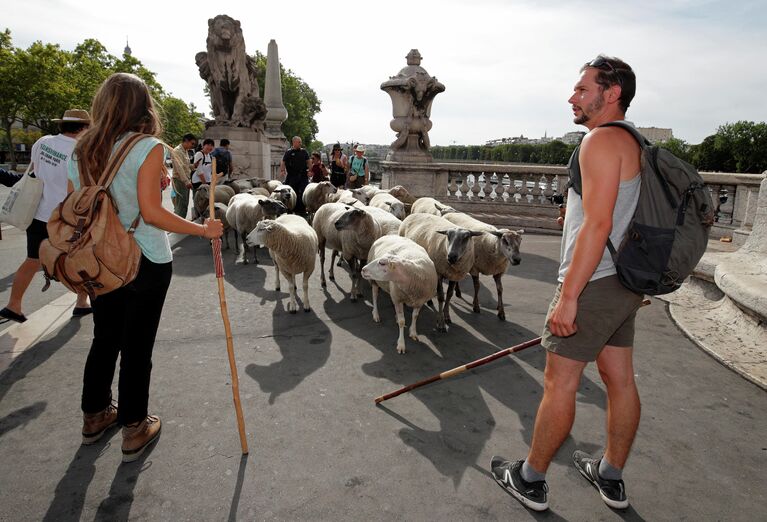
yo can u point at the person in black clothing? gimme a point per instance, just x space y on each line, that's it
338 166
293 169
9 178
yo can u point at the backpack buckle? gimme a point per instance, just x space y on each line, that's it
77 234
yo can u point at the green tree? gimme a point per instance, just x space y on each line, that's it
747 143
12 89
300 100
179 118
48 92
679 148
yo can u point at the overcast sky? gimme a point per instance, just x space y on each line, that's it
508 66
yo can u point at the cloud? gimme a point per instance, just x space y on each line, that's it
508 66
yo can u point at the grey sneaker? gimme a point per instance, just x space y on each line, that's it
532 495
613 492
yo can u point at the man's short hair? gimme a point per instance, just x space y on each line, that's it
317 155
189 137
294 138
72 127
208 141
614 71
224 142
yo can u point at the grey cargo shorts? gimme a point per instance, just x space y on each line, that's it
606 313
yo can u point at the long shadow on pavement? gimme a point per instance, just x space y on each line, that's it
69 496
37 355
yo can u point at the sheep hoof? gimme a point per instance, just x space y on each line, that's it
292 311
448 320
376 317
441 329
400 348
502 316
307 310
332 277
354 299
323 284
277 289
476 309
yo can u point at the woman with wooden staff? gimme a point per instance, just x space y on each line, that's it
125 320
219 264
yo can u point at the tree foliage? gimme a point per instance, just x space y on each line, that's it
300 100
552 153
43 80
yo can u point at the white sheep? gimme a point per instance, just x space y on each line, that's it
258 191
449 247
389 203
200 201
292 243
493 251
268 184
404 270
359 228
220 211
286 194
316 194
327 235
430 206
402 194
365 193
243 214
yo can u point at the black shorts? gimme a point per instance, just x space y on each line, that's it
36 232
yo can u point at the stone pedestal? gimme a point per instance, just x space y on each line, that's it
419 178
251 152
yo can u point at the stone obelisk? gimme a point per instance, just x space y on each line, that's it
276 113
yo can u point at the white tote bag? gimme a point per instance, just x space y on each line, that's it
20 206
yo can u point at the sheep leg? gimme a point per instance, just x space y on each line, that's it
450 288
307 306
255 254
358 264
475 280
355 280
292 305
322 265
441 326
226 237
413 333
499 288
277 277
376 316
458 290
331 273
243 251
400 309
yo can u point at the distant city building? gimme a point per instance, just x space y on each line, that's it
572 138
656 134
127 51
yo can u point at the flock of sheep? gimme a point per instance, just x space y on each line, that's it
408 247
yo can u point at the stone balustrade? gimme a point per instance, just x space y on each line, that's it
522 195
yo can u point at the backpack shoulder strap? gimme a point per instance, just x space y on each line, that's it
117 159
643 142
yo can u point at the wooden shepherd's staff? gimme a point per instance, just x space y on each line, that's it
219 264
460 369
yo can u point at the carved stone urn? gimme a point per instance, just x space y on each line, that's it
412 92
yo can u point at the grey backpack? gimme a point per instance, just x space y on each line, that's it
669 231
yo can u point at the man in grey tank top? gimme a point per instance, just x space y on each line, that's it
591 317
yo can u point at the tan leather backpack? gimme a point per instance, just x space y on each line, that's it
88 249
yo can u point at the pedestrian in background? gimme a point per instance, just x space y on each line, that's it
223 155
359 172
338 166
293 168
202 165
318 171
182 169
49 162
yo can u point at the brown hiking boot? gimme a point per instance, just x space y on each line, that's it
138 436
96 424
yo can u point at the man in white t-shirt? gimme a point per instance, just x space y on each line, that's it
49 158
202 164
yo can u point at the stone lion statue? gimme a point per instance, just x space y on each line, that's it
231 75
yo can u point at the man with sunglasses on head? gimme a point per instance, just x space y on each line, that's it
591 317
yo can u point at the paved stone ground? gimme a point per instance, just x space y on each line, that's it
321 450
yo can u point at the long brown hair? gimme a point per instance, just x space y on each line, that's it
122 104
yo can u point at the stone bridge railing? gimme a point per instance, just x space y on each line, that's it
523 195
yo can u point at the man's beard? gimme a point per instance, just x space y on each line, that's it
593 107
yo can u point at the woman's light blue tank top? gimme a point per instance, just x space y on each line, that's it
152 241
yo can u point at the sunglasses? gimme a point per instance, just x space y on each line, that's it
600 62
